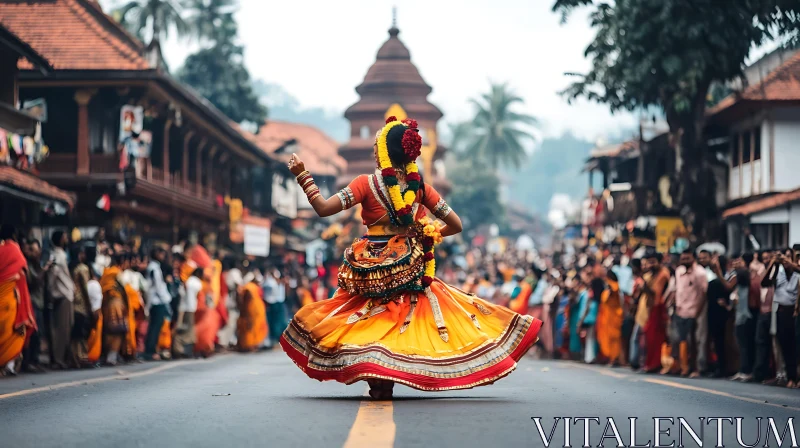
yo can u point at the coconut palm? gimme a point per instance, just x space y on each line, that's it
213 20
152 18
496 133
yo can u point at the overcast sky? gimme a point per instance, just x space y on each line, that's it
320 50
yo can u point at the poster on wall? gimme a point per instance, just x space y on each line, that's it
131 121
36 108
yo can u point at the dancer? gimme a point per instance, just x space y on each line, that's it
391 320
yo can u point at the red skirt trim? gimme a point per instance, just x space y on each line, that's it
366 370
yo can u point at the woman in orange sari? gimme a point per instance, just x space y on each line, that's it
251 328
391 320
16 311
115 323
609 321
520 296
206 321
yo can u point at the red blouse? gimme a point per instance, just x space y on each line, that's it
360 192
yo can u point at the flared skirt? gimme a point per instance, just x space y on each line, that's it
442 339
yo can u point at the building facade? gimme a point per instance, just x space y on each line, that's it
761 125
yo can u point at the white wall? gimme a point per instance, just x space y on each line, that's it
794 224
787 148
733 182
755 176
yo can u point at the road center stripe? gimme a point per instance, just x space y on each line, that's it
102 379
374 425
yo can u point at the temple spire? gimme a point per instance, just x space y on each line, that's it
394 31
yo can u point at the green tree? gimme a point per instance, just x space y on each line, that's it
475 195
218 72
668 53
220 76
152 17
213 20
496 133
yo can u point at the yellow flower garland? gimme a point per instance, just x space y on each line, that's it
401 200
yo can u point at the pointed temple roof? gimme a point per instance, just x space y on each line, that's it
393 78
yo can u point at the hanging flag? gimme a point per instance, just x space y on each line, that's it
104 203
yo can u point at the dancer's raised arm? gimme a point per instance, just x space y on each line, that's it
323 207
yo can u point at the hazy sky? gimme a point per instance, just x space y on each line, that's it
320 50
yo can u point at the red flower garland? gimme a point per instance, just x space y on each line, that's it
388 172
405 211
412 144
413 177
391 119
410 123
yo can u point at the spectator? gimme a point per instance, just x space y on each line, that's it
691 286
36 277
275 295
766 340
786 284
158 302
82 326
722 283
746 302
60 292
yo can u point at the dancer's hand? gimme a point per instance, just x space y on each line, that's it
296 166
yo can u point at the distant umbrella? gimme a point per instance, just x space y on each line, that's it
714 248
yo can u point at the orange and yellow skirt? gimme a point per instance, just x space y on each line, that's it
440 339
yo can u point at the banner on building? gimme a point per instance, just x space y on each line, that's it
284 196
669 230
256 240
254 233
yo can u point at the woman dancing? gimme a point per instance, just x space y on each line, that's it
391 321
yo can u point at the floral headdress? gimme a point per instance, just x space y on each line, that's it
403 201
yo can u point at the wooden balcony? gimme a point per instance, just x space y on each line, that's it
152 183
60 170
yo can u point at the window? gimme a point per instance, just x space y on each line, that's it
746 145
757 146
364 132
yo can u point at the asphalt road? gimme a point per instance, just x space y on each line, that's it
262 400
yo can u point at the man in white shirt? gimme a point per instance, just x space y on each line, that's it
60 291
785 300
184 338
158 302
275 295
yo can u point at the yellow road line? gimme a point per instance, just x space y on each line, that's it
374 426
715 392
103 379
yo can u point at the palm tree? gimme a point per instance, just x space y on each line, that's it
156 17
213 20
496 133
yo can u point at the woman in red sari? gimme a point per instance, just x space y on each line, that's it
16 312
655 331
